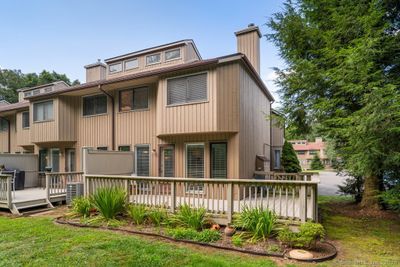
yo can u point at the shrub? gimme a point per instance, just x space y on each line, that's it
316 163
258 222
306 238
189 217
81 206
138 213
109 201
157 216
290 162
391 198
237 240
206 236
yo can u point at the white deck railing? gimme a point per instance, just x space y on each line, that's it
289 199
56 182
5 190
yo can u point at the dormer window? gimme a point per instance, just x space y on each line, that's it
131 64
27 94
172 54
115 68
36 92
153 59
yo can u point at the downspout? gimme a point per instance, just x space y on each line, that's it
9 132
112 116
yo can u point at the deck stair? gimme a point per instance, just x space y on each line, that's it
18 207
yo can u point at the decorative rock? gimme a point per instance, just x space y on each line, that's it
229 231
300 254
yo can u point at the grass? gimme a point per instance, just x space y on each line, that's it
361 241
36 241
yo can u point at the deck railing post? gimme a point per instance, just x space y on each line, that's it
229 196
173 196
303 202
127 190
9 192
48 186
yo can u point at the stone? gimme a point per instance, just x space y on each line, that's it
300 254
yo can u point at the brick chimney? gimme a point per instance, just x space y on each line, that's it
248 43
95 71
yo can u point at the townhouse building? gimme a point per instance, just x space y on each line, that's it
183 116
306 151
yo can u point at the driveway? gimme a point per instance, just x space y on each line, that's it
329 182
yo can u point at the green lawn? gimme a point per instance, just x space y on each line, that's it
37 241
362 241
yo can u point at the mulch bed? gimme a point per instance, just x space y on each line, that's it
324 251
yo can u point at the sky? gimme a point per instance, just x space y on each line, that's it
66 35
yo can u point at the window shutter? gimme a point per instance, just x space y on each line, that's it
142 161
176 91
197 87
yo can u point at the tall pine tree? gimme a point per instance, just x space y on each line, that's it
343 74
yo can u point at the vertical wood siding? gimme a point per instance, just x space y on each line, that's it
23 134
47 131
249 44
254 126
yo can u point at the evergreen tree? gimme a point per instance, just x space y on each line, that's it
343 74
290 162
316 163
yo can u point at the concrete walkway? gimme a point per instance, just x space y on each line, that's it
329 183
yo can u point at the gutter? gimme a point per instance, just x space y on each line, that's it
112 116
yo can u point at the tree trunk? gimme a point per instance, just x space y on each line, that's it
370 199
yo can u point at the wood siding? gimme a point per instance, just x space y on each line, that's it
45 131
198 117
187 54
249 44
23 134
254 127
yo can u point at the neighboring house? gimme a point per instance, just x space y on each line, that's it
184 116
306 150
277 140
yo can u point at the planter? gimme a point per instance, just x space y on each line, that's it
229 231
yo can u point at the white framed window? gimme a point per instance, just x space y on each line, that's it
43 111
187 89
153 59
131 64
25 119
113 68
173 54
94 105
142 160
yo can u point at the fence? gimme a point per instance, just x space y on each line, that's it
56 182
289 199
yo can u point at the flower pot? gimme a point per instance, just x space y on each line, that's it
229 231
215 227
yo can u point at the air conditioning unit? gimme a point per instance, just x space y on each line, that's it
74 189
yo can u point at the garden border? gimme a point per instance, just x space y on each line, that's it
278 255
